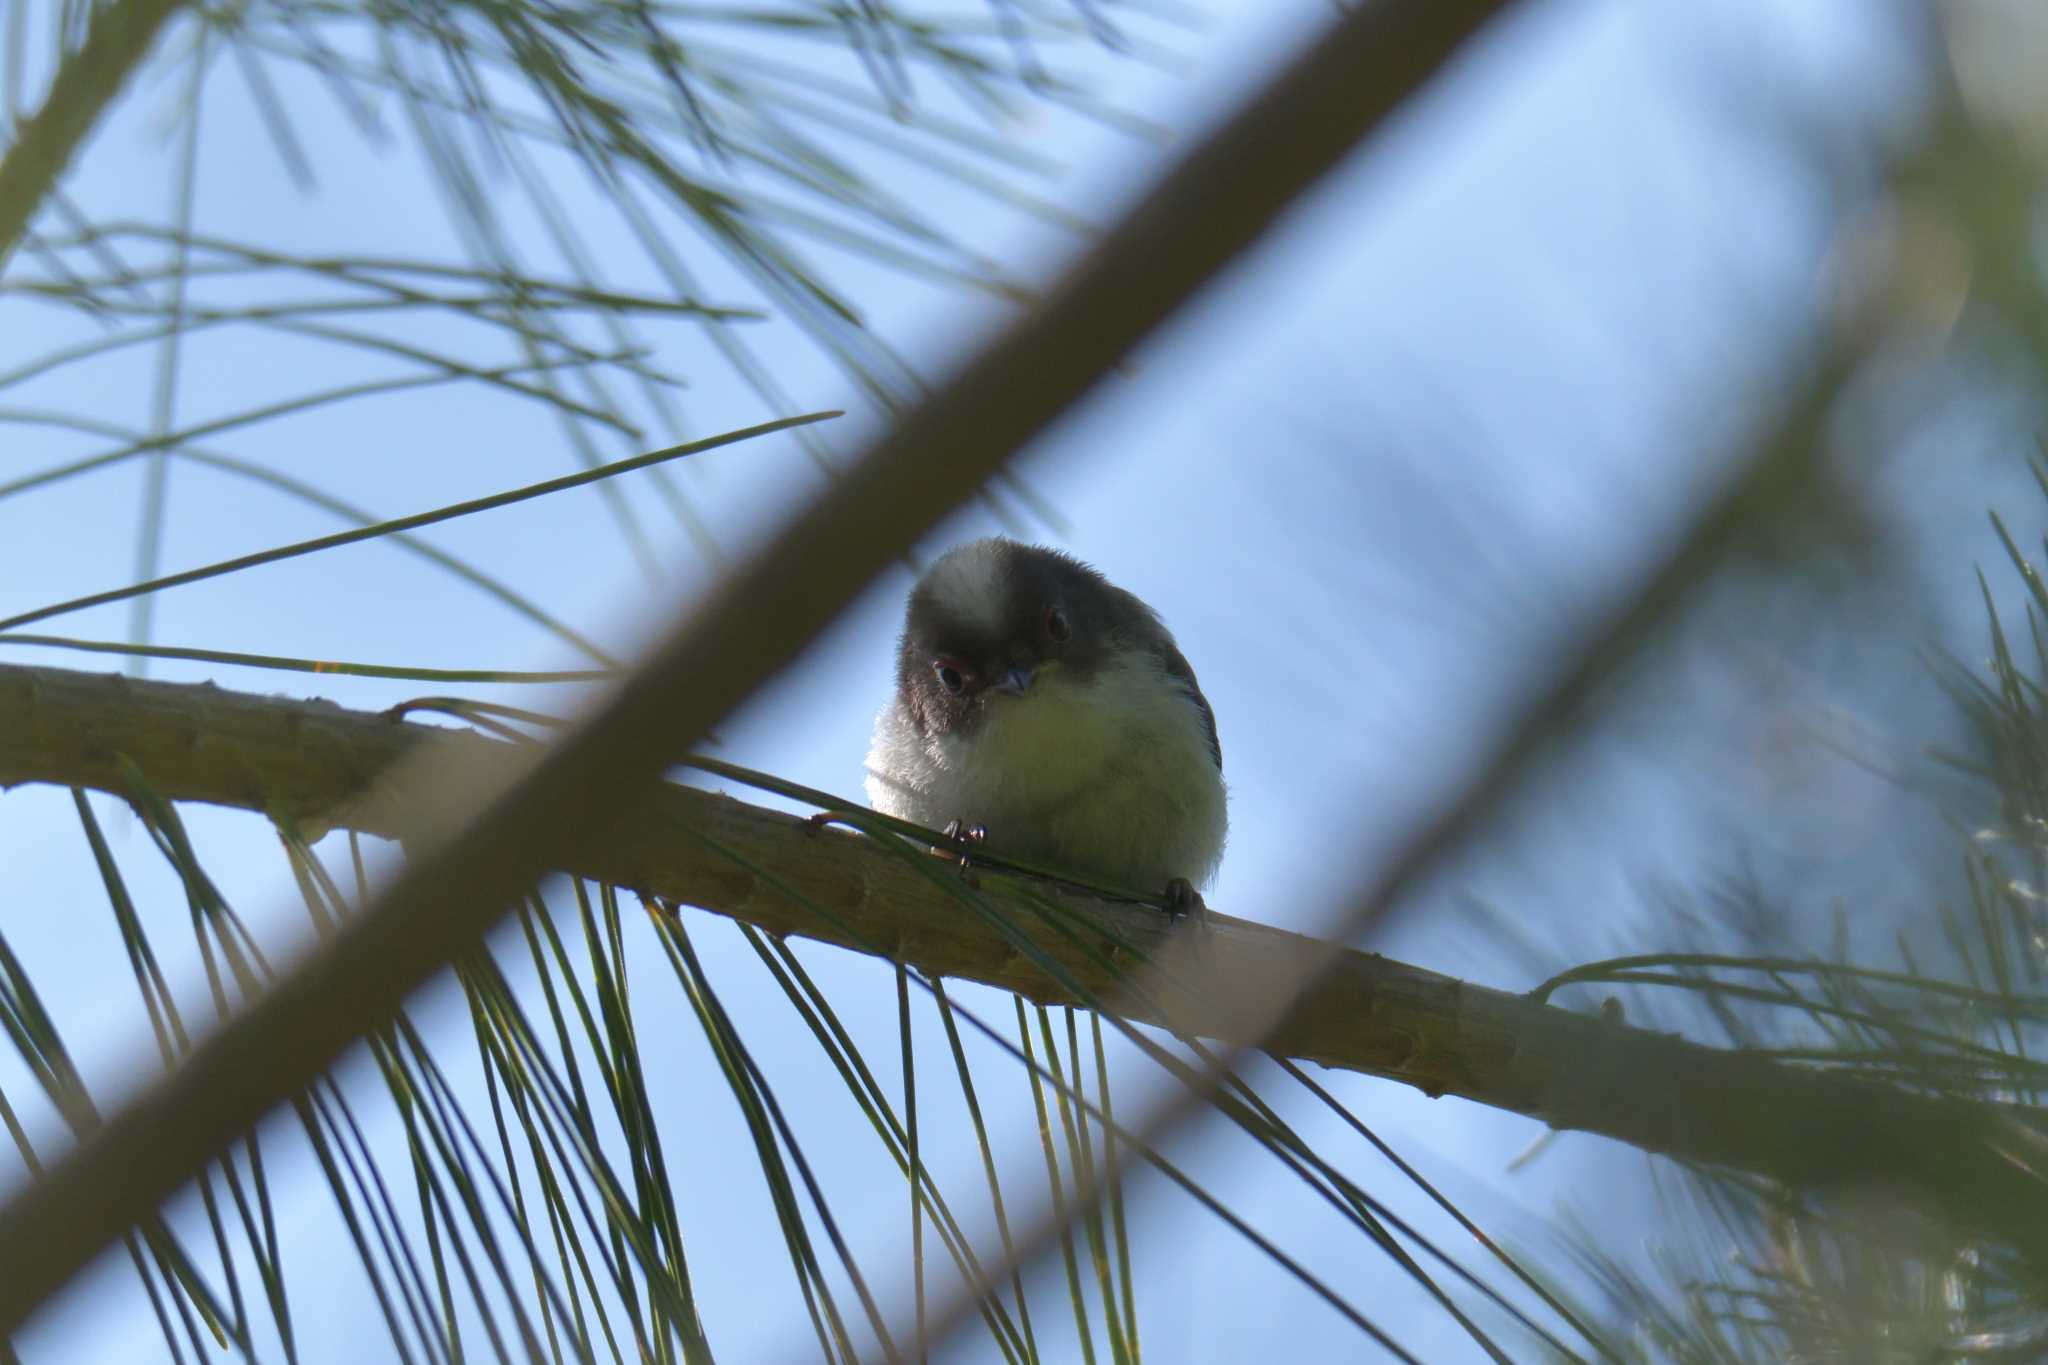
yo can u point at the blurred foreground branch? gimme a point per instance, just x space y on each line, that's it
1216 203
315 763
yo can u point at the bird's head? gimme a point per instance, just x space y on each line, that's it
994 622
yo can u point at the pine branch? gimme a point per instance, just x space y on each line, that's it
317 764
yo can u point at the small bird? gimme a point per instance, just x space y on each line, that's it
1048 714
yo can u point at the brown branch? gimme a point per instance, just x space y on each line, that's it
88 81
315 763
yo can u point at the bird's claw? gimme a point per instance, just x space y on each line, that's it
961 838
1183 901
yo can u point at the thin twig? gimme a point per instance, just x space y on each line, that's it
121 35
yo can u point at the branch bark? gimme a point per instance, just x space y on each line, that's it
318 764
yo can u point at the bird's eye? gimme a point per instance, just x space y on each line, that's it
1056 624
949 676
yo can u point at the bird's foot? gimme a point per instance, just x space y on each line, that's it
1183 901
961 838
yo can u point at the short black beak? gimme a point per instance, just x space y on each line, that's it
1015 681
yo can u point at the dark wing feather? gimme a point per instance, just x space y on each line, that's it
1138 624
1176 663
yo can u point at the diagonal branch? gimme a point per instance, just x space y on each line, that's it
315 763
1213 206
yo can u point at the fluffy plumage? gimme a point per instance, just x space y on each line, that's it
1039 700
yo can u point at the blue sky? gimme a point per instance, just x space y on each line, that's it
1369 479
